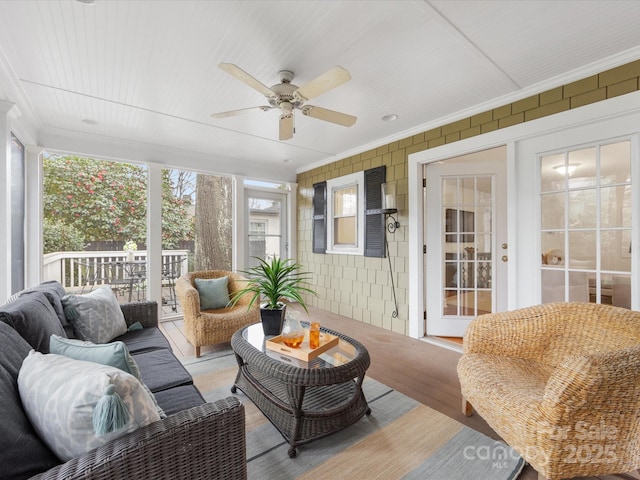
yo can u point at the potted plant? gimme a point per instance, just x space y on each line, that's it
274 281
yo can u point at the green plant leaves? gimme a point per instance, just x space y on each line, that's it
274 281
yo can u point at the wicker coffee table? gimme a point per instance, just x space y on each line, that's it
304 401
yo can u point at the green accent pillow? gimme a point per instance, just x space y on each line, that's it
214 292
114 354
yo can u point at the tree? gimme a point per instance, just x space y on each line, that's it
177 223
102 200
213 223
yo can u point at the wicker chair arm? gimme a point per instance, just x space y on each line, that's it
189 297
519 333
603 382
207 441
548 333
144 312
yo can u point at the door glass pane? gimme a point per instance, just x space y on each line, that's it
552 178
621 291
615 163
483 219
578 287
615 207
582 249
581 166
484 191
467 218
450 191
468 192
265 227
615 250
553 249
552 209
582 209
552 283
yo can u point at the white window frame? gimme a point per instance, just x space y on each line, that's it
339 183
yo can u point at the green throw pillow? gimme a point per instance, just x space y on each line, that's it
114 354
214 292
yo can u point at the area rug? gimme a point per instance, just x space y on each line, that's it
401 439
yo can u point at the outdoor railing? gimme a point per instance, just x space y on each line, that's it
79 270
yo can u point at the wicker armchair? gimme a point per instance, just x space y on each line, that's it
208 327
560 383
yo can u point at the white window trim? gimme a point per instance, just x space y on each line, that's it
336 184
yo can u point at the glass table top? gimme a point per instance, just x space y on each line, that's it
341 354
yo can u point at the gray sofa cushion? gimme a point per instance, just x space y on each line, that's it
54 293
160 370
176 399
144 340
33 317
22 453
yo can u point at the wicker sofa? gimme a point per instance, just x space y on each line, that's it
196 440
209 327
560 383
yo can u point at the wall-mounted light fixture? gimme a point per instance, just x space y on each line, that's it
389 209
390 205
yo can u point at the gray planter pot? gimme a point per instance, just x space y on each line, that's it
272 320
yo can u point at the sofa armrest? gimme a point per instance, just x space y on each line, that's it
207 441
144 312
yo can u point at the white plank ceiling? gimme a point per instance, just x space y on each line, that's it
144 72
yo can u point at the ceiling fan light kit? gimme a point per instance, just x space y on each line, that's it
288 97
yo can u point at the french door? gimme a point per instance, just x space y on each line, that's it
466 246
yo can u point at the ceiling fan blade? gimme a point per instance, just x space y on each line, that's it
240 74
325 82
329 115
286 126
233 113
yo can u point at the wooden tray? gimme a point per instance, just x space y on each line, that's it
303 352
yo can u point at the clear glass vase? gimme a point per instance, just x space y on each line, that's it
292 331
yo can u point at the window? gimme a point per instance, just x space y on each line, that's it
347 214
345 232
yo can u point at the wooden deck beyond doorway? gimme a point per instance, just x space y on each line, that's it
422 371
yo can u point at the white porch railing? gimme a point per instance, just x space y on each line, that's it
79 270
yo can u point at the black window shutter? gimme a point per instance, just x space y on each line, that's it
374 221
319 217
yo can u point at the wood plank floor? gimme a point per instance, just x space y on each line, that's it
420 370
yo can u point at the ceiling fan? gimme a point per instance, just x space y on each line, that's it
287 97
